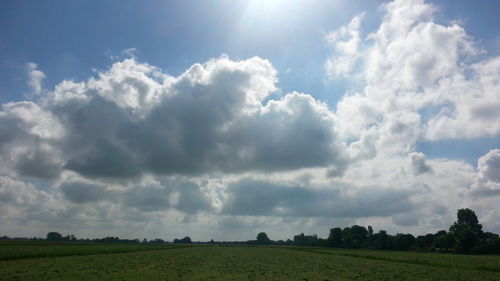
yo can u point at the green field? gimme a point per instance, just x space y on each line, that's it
87 261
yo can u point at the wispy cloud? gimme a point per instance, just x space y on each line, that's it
35 78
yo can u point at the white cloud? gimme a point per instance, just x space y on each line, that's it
344 42
489 166
469 106
488 180
23 203
419 85
419 164
135 148
27 140
130 85
35 78
410 51
423 81
134 119
130 52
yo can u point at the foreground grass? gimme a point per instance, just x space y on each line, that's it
247 263
12 250
478 262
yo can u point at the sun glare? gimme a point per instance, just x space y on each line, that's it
269 13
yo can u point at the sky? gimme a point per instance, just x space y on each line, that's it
222 119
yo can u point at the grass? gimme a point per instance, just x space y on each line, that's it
12 250
169 262
446 260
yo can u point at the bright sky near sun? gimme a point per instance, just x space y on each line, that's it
220 119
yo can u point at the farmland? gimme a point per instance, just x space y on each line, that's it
91 261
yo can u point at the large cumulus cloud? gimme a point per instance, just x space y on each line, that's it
421 81
134 119
488 181
135 145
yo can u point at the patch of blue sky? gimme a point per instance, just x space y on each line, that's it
459 149
67 39
478 18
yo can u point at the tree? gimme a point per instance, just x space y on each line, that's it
443 240
347 237
157 241
354 236
185 240
466 231
54 236
383 240
370 230
468 218
360 235
335 237
464 238
403 241
306 240
425 242
262 239
490 244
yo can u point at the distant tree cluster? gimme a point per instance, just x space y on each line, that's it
185 240
55 236
307 240
464 236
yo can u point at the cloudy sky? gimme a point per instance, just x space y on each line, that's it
221 119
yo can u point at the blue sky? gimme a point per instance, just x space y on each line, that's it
67 39
421 96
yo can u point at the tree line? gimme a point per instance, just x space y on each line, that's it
465 235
